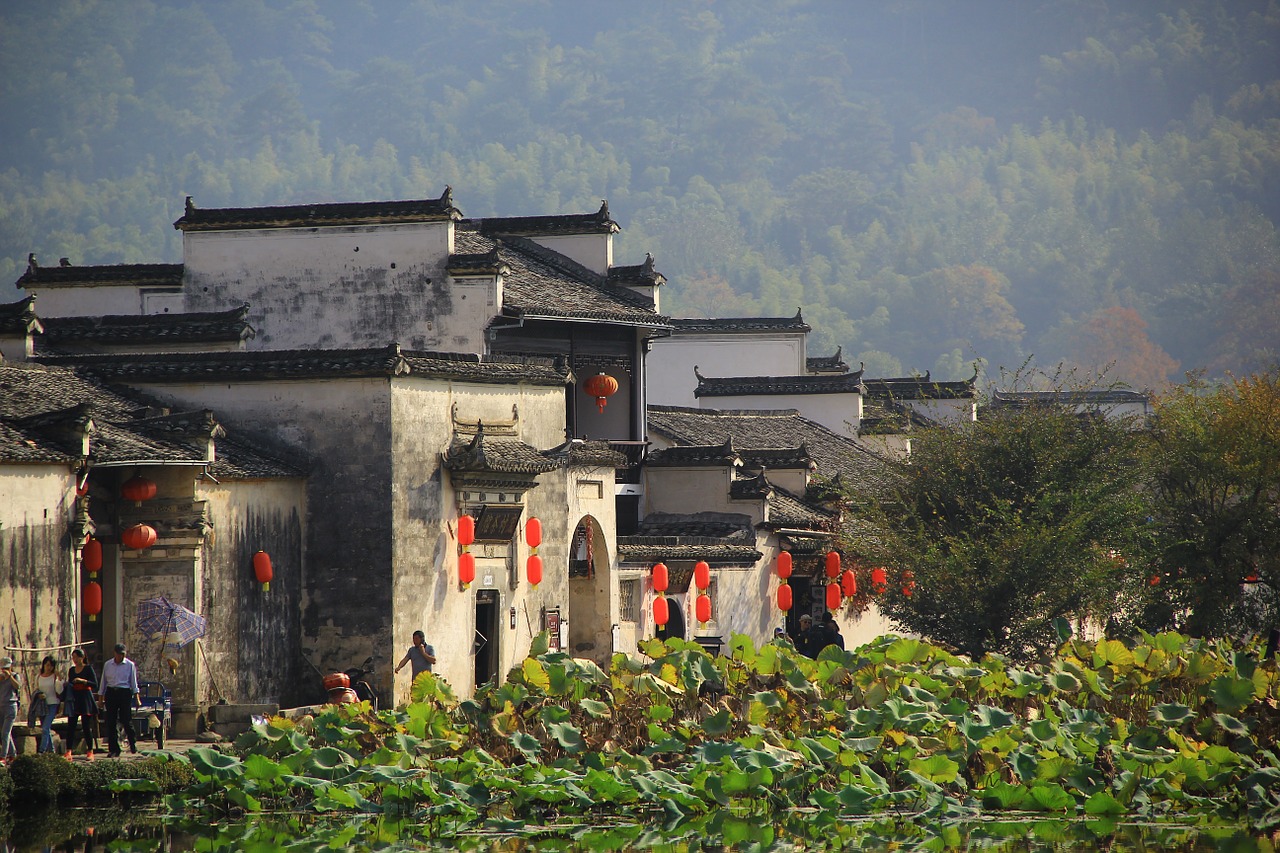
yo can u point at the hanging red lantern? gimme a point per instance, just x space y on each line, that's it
784 597
833 596
533 533
262 569
784 564
701 576
93 600
879 580
848 583
533 568
660 577
466 568
138 489
601 386
138 537
833 564
91 557
466 530
702 608
661 613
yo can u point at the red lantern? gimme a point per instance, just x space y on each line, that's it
466 568
701 576
833 564
784 597
601 386
138 489
833 596
848 583
93 600
534 569
879 579
466 530
138 537
262 569
660 577
533 533
784 564
1154 581
660 611
702 608
91 556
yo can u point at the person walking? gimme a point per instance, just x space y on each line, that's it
10 693
49 691
81 707
420 655
118 693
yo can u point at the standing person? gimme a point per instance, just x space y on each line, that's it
831 635
10 692
81 707
422 656
804 637
119 693
49 689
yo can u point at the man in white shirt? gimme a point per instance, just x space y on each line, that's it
119 691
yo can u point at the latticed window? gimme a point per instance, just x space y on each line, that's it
629 600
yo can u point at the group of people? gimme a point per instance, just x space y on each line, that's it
80 695
812 638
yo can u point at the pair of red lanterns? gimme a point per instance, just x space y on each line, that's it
660 576
467 560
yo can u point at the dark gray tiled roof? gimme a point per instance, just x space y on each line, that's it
827 364
496 455
643 275
305 215
1106 397
43 411
193 327
154 275
595 453
237 460
741 324
787 510
920 388
19 318
482 263
739 386
783 458
647 550
767 429
723 526
297 364
695 455
573 223
546 284
747 488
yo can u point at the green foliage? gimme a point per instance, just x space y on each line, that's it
49 778
1142 730
1007 524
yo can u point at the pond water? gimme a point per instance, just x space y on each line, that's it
84 831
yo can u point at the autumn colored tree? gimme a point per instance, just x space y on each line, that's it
1216 455
1115 340
969 305
1007 523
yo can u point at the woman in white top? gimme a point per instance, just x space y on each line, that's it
48 685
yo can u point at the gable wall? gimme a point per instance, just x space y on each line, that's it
334 287
839 413
669 365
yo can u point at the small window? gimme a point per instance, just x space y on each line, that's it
629 600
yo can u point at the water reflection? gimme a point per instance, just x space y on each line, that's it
88 831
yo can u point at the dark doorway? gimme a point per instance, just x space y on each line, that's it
675 621
802 603
485 646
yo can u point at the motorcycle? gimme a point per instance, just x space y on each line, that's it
351 685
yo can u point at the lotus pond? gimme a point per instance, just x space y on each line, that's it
1165 743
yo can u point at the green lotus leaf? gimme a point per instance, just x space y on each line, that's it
718 723
1064 682
661 713
1005 796
1103 803
1171 714
526 744
1113 653
535 674
596 708
1231 725
1231 693
1051 798
905 650
213 764
935 768
145 786
567 736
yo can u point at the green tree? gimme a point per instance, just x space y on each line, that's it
1217 506
1026 515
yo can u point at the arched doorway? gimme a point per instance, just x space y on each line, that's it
590 580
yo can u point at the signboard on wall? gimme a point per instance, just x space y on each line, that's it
551 624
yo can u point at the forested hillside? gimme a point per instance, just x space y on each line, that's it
933 182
